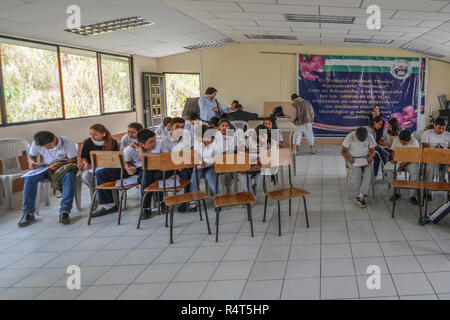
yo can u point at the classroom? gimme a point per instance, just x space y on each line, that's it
224 150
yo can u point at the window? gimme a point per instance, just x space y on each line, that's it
41 81
30 81
80 83
179 87
116 83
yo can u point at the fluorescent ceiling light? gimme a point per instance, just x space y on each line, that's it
270 37
422 51
110 26
377 41
318 18
209 44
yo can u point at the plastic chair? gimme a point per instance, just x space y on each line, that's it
9 156
240 124
47 187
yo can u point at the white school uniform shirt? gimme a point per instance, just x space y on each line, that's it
169 144
161 131
133 155
65 150
126 140
413 143
434 139
418 135
357 148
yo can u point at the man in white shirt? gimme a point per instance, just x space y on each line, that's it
163 130
131 137
374 129
405 139
57 152
436 138
358 149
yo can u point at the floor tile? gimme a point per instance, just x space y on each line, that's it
412 284
339 288
197 271
268 270
337 267
109 292
262 290
301 289
233 270
149 291
223 290
120 275
183 290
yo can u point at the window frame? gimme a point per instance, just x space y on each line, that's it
3 119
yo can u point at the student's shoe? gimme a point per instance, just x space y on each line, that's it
146 214
360 201
395 197
64 218
414 201
429 197
192 206
26 220
424 220
104 211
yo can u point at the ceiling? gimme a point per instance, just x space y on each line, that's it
418 23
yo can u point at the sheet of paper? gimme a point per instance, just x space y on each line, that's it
389 166
127 181
169 183
360 162
35 172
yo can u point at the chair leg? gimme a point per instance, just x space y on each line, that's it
217 224
279 218
78 187
38 199
393 203
199 210
306 212
8 194
46 186
167 217
419 200
265 208
92 206
290 207
142 209
426 202
249 210
206 215
171 223
122 194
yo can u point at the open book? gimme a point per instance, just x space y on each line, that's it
128 181
35 172
169 183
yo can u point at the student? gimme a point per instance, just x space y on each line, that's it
418 134
269 123
241 115
436 138
57 152
163 130
231 108
214 123
177 137
358 149
194 120
376 112
405 139
209 106
100 140
131 137
374 130
146 143
225 136
302 115
390 133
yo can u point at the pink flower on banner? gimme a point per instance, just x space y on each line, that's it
407 118
309 64
410 114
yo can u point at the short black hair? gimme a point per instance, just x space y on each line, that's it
144 134
404 135
42 138
239 106
361 134
210 90
440 122
294 96
214 122
194 116
261 127
377 119
227 121
235 102
136 125
176 120
166 121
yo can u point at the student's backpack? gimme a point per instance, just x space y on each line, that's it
437 215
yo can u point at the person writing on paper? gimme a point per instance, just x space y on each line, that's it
100 140
358 149
405 139
57 152
146 143
436 138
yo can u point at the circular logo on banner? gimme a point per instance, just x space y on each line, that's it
401 69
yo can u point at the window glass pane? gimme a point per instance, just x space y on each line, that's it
116 83
31 81
180 87
80 81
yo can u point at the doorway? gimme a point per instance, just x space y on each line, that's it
179 87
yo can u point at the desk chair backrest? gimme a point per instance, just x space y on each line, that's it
10 150
436 155
107 159
232 162
177 160
271 160
408 154
240 124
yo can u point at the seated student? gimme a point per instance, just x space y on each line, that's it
163 130
131 137
241 115
194 120
376 124
358 149
418 134
231 108
57 152
214 123
390 133
226 136
405 139
436 138
269 123
146 143
100 140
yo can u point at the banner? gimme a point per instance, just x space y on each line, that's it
344 89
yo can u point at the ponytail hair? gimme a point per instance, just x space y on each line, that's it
109 141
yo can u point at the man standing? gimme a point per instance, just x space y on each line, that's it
209 106
302 115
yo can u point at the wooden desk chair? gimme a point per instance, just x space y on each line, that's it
435 156
283 159
407 154
229 163
109 159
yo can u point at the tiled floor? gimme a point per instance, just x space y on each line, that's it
329 260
